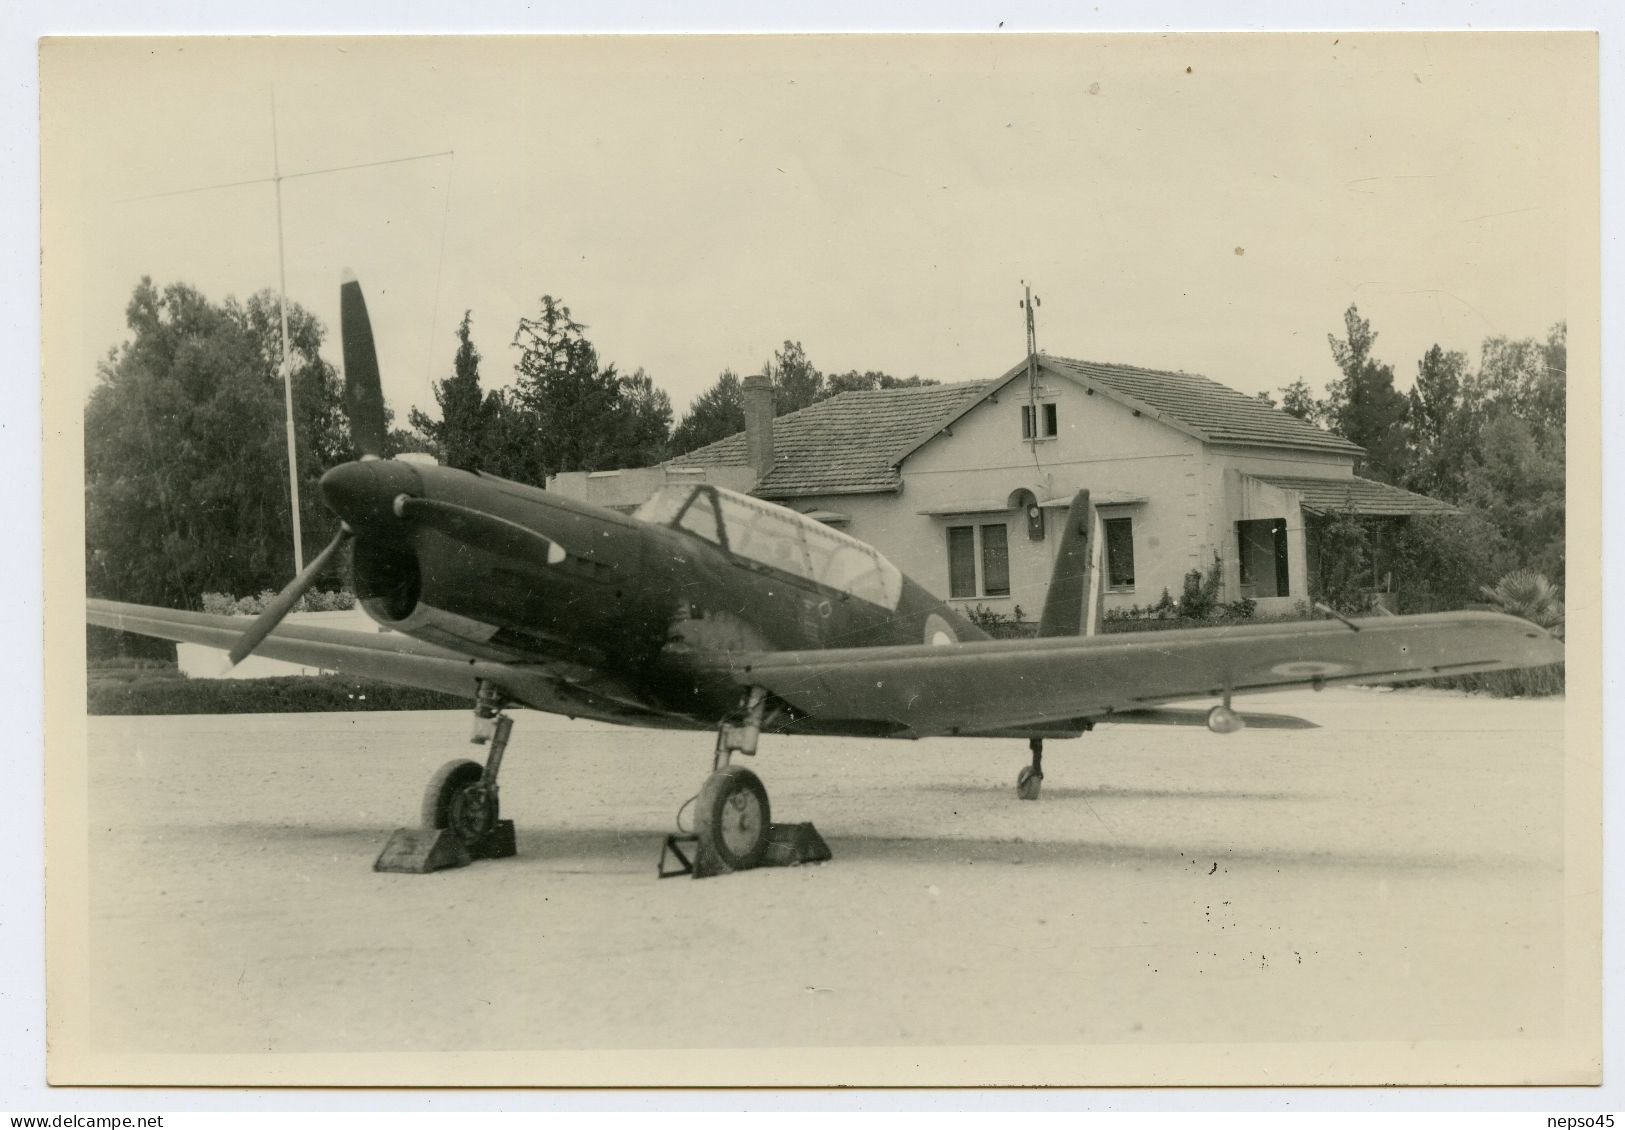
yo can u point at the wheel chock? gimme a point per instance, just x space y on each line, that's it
418 851
788 845
496 844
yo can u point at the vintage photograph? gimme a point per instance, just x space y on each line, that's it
823 560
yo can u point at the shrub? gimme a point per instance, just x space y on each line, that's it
1002 625
1344 576
222 604
1529 595
285 694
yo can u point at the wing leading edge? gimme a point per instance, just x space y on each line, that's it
974 688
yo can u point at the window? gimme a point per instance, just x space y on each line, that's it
1047 419
995 561
968 545
1119 552
961 561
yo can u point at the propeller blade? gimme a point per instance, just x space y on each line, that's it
479 529
363 389
284 601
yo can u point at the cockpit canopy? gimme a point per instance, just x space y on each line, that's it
779 538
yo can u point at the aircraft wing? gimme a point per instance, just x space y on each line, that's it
372 655
984 686
389 657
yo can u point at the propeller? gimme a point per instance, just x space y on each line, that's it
479 528
284 601
363 389
364 405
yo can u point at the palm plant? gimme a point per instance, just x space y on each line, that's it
1530 595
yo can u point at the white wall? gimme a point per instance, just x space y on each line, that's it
198 662
1100 445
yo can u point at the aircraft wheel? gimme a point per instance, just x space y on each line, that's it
458 800
1028 782
732 818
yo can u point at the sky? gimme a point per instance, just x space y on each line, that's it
1204 203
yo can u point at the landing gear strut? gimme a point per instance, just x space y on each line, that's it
733 826
461 817
1031 777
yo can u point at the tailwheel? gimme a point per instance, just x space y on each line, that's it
1031 777
1028 782
459 801
732 818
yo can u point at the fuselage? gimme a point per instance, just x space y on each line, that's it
650 607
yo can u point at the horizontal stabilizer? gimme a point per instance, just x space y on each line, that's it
1181 716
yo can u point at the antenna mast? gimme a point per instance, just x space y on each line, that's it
1027 304
286 367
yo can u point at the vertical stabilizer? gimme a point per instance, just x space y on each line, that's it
1072 607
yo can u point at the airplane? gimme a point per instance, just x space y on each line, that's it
710 610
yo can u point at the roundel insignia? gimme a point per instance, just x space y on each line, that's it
1307 668
939 632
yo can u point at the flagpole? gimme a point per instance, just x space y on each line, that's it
287 368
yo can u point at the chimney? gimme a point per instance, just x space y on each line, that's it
758 391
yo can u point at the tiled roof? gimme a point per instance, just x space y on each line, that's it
1206 408
1358 496
847 444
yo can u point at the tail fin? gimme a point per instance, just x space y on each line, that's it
1072 607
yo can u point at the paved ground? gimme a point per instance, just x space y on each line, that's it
1393 875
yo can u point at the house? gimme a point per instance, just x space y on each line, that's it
960 485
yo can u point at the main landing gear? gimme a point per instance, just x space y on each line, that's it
461 817
733 826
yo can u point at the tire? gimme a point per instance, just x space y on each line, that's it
456 800
1028 782
732 818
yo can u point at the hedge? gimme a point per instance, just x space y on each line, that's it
285 694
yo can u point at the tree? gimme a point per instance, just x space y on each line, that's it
869 379
796 382
1441 429
643 424
569 396
1516 480
1298 399
716 413
1363 406
185 449
462 435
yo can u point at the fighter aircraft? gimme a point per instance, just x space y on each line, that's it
706 609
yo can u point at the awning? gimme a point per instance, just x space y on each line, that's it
1355 495
1098 498
829 517
976 506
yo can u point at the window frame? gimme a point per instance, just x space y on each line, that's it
978 560
1039 421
